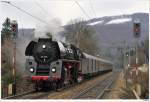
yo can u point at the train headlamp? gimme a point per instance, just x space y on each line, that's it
53 69
44 46
31 70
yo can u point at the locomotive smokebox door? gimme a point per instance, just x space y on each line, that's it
55 69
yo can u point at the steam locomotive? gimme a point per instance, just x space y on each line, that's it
55 64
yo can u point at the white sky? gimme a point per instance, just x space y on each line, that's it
66 10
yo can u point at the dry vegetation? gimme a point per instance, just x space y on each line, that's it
123 89
82 35
6 69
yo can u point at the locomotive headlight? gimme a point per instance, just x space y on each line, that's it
44 46
53 69
31 69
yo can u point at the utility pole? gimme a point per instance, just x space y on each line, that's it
124 59
77 39
79 31
129 57
137 60
137 34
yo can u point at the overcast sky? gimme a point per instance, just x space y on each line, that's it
63 11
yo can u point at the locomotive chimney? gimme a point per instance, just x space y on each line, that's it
49 35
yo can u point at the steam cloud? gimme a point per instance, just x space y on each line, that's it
54 27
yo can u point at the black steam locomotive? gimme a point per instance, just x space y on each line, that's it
53 63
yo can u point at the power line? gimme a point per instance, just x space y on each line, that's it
92 9
84 12
82 9
42 8
25 12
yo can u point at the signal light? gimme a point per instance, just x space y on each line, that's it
137 29
14 27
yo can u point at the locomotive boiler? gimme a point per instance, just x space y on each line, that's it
55 64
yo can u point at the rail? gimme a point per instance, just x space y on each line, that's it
136 95
19 95
102 93
102 85
98 90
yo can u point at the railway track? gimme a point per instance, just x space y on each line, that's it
31 95
37 95
93 92
20 95
97 91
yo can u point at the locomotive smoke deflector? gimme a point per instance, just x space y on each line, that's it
29 49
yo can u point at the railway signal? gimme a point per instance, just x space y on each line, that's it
137 34
14 27
137 29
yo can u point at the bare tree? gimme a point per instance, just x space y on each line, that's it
81 35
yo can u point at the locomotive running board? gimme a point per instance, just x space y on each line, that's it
70 60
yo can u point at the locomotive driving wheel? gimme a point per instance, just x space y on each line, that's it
36 86
54 86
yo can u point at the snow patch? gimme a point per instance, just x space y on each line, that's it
94 23
117 21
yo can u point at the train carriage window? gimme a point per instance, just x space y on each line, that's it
98 64
92 66
88 65
95 65
81 65
102 65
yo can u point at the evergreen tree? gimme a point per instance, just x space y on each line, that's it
6 30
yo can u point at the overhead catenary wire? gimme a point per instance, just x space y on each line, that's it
82 9
8 2
42 8
92 8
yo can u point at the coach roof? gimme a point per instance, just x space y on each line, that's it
96 58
